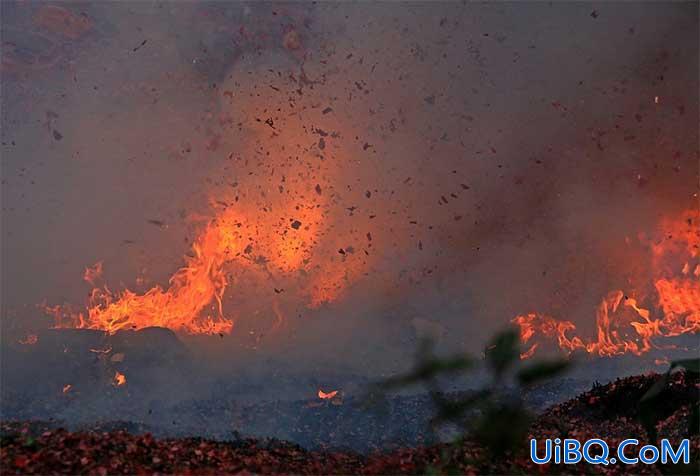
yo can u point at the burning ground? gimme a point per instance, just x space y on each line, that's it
268 203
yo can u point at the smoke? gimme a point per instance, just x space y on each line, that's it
448 165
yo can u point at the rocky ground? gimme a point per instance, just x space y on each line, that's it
606 411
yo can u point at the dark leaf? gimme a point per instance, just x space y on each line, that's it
692 365
428 369
453 410
503 351
649 417
656 388
503 428
542 370
694 420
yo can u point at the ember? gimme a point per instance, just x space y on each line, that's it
326 396
119 379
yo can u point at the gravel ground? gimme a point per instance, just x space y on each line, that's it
606 411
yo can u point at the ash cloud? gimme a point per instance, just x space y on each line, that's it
449 165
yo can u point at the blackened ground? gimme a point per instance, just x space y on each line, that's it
67 379
353 425
606 412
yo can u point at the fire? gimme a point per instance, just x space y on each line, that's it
119 379
679 300
265 246
277 226
194 290
194 287
622 325
327 396
67 387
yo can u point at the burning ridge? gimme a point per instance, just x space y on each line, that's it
624 327
193 301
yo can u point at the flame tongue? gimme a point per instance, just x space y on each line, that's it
679 300
623 326
195 286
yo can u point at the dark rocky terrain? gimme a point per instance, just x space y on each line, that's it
606 411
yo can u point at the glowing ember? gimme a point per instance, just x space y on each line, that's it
622 325
31 339
101 351
327 396
119 379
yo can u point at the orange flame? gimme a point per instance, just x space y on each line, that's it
192 303
280 229
195 286
326 396
119 379
623 326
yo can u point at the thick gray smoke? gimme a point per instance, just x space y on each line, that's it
460 163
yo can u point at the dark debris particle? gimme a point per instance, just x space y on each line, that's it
57 135
157 223
296 224
143 43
